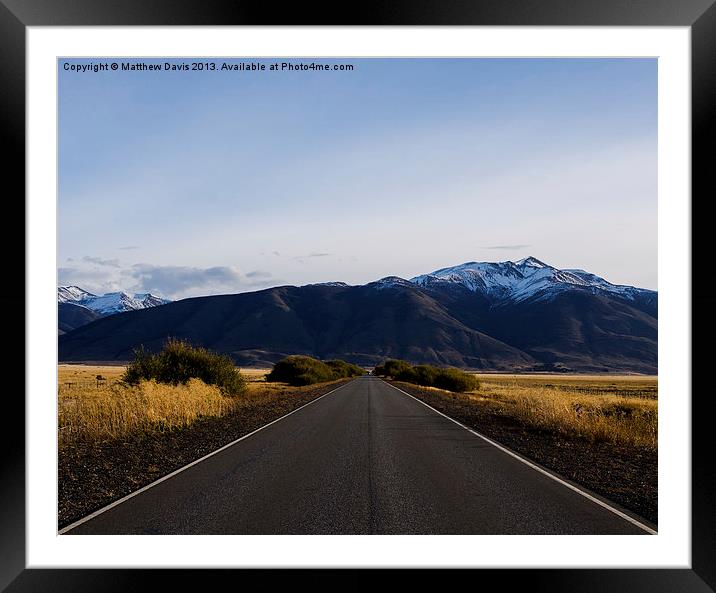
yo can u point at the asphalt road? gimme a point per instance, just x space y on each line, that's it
364 459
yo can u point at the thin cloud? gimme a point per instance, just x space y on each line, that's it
301 258
506 247
113 263
128 247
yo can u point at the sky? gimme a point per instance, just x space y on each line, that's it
187 183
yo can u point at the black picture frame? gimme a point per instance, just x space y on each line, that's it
16 15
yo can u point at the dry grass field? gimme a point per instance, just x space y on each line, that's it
91 410
618 409
621 385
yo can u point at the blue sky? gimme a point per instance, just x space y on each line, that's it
191 183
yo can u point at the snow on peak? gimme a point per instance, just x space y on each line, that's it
109 303
390 281
342 284
149 300
531 262
72 294
113 302
520 280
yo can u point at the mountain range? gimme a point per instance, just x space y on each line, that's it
77 307
506 316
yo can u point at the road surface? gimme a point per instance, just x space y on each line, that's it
363 459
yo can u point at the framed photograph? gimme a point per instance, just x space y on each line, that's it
406 290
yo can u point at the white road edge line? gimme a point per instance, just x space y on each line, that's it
181 469
535 467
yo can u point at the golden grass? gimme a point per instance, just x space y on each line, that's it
115 410
619 385
619 409
255 374
90 411
80 373
622 410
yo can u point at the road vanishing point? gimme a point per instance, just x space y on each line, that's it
366 458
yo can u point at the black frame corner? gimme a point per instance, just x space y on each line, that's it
700 15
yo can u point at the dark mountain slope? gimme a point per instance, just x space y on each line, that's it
362 324
581 330
71 316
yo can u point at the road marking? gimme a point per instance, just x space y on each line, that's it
534 466
181 469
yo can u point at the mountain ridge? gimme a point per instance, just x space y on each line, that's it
528 278
109 302
562 324
77 307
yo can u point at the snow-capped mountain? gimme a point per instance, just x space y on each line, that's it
147 299
527 278
118 302
389 281
73 294
109 303
328 284
521 316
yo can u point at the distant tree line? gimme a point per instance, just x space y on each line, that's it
304 370
428 375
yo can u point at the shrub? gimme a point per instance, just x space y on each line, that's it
392 367
179 361
300 370
424 374
303 370
345 369
428 375
455 380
